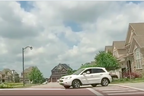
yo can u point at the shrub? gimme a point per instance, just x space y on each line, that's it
5 86
132 75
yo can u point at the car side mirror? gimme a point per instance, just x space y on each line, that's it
84 74
88 72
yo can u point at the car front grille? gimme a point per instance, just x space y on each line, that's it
61 80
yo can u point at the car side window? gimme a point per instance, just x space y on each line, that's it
98 71
90 71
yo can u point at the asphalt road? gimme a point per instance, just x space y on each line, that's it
55 89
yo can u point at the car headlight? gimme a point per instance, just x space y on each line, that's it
68 77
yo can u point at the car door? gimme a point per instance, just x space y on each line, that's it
86 77
97 75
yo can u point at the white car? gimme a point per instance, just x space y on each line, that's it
86 76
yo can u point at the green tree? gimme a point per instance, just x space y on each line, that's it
69 72
36 76
106 60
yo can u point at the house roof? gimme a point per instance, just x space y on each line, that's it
108 48
139 40
138 28
119 44
29 69
61 65
122 51
66 66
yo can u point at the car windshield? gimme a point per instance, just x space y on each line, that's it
78 72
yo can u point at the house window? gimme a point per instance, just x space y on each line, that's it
138 59
115 54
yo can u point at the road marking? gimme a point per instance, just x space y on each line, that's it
126 93
95 92
34 89
112 91
120 90
131 87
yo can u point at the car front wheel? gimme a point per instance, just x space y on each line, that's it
76 84
104 82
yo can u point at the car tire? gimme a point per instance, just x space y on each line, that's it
76 84
93 85
104 82
66 87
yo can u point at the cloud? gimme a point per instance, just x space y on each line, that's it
46 26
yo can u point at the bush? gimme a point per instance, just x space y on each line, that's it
132 75
5 86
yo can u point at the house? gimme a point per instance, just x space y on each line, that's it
59 71
27 71
7 75
130 53
135 48
108 49
119 51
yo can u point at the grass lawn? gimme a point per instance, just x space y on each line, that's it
16 85
126 80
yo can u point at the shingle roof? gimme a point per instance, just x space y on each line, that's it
119 44
138 28
108 48
66 66
139 40
62 65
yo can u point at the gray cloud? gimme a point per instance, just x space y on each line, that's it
42 27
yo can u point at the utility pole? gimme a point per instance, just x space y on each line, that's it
23 66
23 63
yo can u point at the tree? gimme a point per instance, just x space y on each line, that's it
36 76
106 60
69 72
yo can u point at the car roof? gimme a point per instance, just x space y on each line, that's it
95 68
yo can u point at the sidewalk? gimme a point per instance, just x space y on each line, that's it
136 85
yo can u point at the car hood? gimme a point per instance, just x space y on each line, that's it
68 76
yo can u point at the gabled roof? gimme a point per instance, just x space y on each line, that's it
29 69
61 65
119 44
108 48
138 28
66 66
139 40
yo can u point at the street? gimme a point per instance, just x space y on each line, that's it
56 89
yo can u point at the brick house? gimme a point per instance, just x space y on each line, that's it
108 49
58 71
7 75
134 45
130 52
27 71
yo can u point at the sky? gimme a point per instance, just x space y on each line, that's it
70 32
